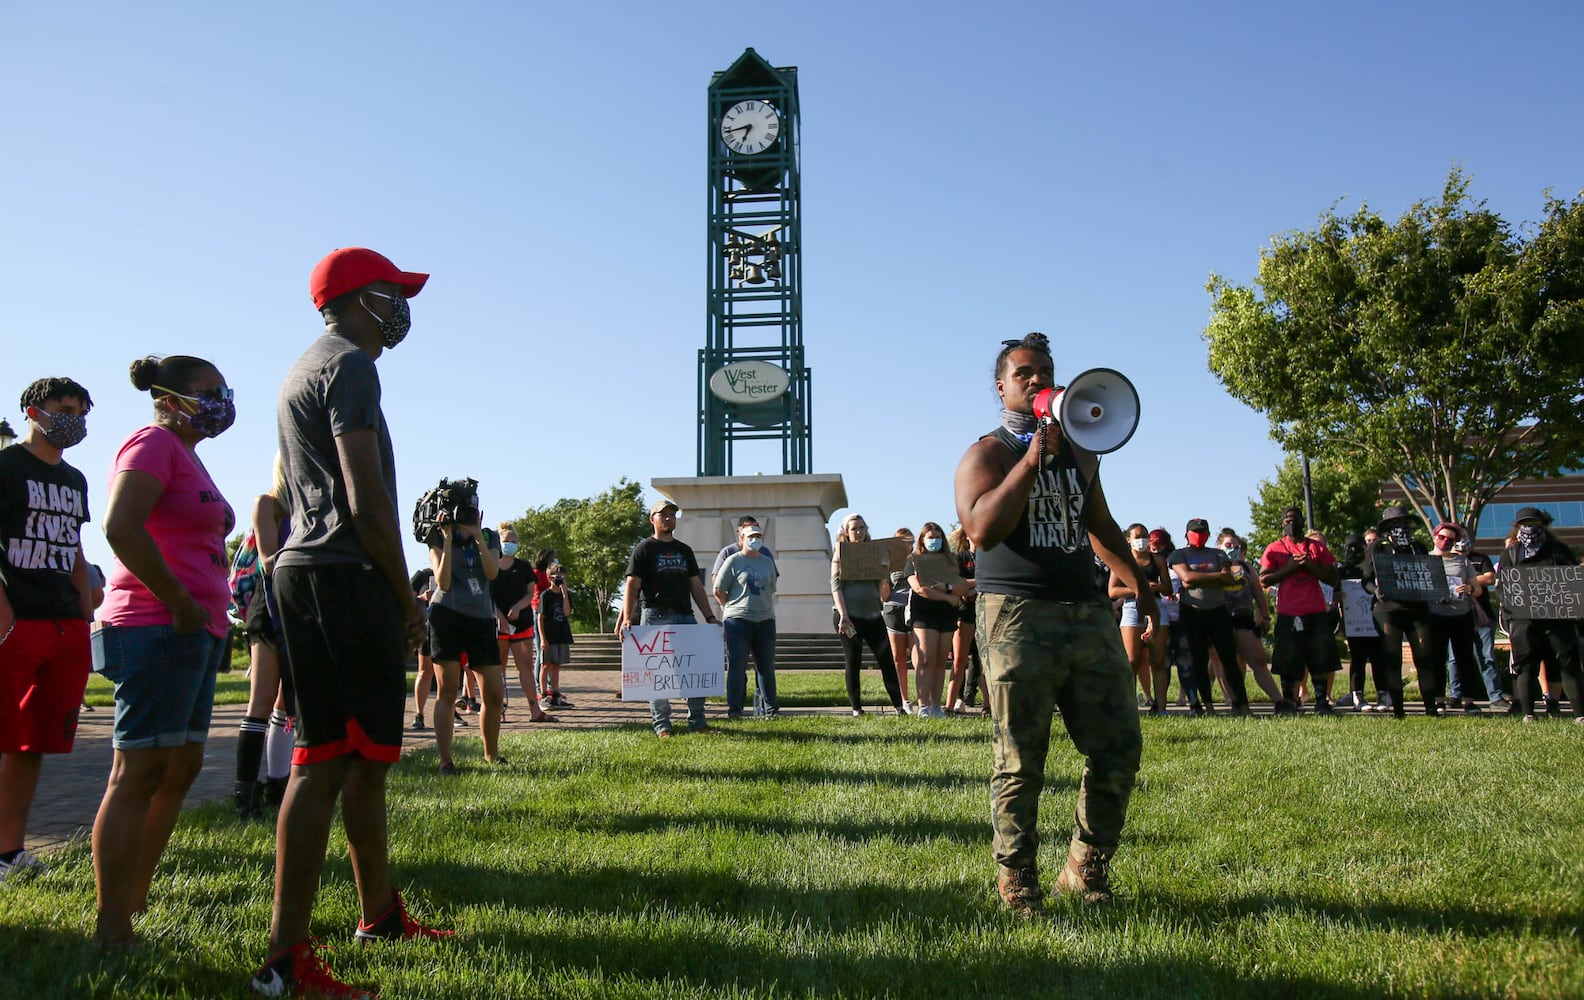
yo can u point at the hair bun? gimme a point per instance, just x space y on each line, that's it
145 372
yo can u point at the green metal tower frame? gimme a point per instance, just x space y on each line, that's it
754 214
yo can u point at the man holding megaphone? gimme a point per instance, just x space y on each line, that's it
1029 496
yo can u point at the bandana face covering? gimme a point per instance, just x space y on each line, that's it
1401 537
1530 538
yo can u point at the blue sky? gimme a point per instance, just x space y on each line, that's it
173 171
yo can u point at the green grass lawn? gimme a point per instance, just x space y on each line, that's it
831 856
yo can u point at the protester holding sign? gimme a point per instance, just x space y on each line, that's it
1452 619
1358 627
745 588
937 592
663 581
858 604
895 615
1397 618
1534 639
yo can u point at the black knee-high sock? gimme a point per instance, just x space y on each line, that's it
250 748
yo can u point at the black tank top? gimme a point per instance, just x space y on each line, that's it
1047 555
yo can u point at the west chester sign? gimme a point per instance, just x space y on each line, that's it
749 382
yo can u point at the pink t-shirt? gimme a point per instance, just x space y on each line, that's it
189 523
1300 593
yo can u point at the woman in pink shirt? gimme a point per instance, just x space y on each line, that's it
164 635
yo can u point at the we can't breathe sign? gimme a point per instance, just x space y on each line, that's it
673 661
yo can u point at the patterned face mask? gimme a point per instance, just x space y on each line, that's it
65 429
1400 536
211 412
394 330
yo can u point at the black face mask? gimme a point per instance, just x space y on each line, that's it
1294 528
1401 537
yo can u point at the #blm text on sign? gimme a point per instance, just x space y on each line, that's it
1542 591
673 661
1410 577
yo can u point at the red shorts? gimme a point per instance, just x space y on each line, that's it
43 671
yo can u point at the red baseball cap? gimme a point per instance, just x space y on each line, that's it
351 268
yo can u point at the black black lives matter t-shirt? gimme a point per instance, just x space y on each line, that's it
42 510
666 571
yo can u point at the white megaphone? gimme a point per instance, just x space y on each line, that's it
1098 410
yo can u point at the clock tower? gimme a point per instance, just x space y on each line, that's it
753 384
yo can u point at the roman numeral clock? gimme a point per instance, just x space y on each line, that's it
753 385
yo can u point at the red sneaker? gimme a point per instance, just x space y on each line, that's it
396 925
300 972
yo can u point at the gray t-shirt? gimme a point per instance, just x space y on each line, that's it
749 585
1200 559
862 597
1458 570
469 593
331 390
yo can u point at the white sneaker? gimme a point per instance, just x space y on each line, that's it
24 863
907 707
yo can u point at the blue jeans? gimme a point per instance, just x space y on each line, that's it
660 709
1485 652
743 636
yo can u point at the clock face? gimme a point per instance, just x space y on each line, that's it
750 127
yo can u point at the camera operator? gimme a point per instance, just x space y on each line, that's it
462 616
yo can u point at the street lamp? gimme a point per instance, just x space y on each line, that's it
8 436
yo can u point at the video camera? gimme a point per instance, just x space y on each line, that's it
452 502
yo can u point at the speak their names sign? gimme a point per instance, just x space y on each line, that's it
1542 591
673 661
1404 577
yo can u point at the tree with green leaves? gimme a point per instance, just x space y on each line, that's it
593 538
1442 349
1346 499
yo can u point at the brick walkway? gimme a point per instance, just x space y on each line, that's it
71 786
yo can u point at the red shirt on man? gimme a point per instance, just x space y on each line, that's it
1300 593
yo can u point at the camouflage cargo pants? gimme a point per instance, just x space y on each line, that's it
1043 654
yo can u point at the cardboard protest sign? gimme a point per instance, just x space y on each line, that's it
901 548
1357 606
1542 592
867 560
937 569
1407 577
673 661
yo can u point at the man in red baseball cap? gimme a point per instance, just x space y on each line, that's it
347 611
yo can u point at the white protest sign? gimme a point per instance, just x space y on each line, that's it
673 661
1357 619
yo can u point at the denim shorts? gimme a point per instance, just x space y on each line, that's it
1130 615
164 682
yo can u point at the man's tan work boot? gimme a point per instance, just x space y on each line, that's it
1020 890
1087 875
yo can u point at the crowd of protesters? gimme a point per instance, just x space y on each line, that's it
330 617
